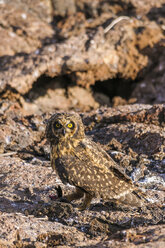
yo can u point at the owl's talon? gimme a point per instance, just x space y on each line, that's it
59 191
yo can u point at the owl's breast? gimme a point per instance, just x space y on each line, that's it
61 168
69 162
67 168
61 149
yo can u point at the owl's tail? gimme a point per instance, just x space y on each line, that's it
133 199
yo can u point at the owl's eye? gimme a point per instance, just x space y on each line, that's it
70 125
57 125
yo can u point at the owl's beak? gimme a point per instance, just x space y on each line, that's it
63 132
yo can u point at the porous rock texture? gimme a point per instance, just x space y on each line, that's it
83 56
35 42
133 135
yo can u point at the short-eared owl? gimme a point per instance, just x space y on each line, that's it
81 162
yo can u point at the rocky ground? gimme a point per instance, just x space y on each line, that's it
134 138
106 62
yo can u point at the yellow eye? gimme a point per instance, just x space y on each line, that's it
70 125
57 125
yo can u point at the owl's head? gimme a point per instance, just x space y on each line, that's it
65 126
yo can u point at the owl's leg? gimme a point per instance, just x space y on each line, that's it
86 202
75 196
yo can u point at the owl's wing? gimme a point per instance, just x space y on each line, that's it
95 172
102 159
101 182
98 174
97 181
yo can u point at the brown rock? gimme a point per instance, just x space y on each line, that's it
87 56
30 218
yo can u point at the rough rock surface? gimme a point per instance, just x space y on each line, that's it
84 48
86 56
133 135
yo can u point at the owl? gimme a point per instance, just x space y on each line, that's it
83 163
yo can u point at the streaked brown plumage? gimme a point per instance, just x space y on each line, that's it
81 162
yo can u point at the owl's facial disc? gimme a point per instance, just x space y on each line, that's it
63 129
